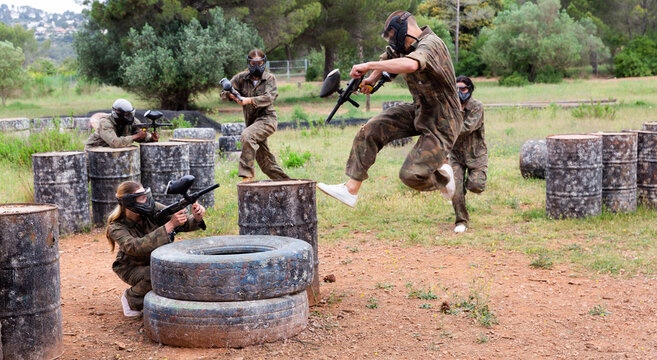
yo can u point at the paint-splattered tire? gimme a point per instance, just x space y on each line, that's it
224 324
232 268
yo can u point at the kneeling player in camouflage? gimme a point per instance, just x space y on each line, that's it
115 130
258 90
469 157
434 115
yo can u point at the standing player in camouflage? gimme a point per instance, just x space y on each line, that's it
258 89
434 115
115 130
131 226
469 154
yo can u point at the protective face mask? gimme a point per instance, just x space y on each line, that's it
256 70
464 96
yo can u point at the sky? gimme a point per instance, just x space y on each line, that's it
51 6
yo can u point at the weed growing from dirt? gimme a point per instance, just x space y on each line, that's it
543 261
599 310
426 306
420 293
482 338
383 285
372 303
475 304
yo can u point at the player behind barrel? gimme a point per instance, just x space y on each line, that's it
116 129
257 91
469 157
132 227
434 115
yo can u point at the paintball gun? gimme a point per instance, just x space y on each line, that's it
225 83
153 116
180 187
332 84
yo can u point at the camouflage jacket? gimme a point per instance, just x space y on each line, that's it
433 86
264 92
471 144
137 241
111 134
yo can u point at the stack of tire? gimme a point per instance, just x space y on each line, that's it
229 143
228 291
398 142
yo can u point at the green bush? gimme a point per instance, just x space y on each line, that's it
515 79
638 58
315 66
292 159
180 122
549 76
19 151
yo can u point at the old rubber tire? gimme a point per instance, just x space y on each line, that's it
224 324
232 268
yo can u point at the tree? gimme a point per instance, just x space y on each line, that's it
174 66
638 58
535 38
12 75
24 39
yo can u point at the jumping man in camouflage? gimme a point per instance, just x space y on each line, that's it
131 226
469 153
258 89
434 115
115 130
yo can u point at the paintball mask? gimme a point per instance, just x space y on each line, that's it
123 111
256 70
464 96
396 33
129 201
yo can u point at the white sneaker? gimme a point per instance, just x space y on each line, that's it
460 228
127 311
450 188
339 192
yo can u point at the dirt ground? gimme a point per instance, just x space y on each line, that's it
541 314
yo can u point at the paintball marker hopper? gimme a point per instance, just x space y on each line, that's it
153 116
227 86
180 186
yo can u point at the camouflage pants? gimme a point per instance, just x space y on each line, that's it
420 169
140 279
468 175
254 147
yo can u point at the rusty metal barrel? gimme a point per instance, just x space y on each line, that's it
162 162
646 171
619 161
397 142
282 208
18 127
109 167
533 159
30 311
201 165
194 133
60 178
650 126
573 176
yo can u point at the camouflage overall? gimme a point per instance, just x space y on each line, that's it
435 115
111 134
469 155
261 122
133 260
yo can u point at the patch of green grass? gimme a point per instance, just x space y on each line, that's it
292 159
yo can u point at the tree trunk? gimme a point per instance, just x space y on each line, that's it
329 59
175 101
288 52
3 100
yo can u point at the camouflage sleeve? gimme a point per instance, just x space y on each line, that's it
137 246
191 224
474 120
420 55
271 93
107 133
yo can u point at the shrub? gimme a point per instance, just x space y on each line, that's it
629 63
515 79
180 122
292 159
19 151
549 76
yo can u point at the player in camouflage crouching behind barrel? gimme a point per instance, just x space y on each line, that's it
131 226
116 129
257 89
434 115
469 154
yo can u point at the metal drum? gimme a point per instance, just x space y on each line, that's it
646 171
19 127
109 167
533 158
619 159
194 133
162 162
573 176
30 310
397 142
60 178
230 143
232 129
282 208
650 126
201 165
